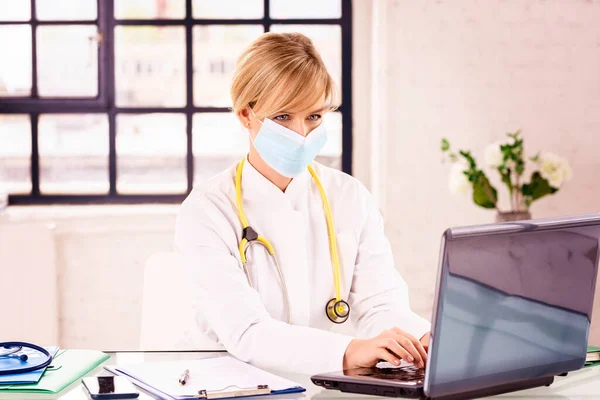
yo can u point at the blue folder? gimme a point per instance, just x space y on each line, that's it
28 377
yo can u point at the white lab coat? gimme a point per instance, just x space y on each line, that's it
251 323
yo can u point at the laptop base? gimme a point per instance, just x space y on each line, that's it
417 392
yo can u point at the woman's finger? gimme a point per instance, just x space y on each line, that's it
410 347
417 343
384 354
393 346
419 346
421 350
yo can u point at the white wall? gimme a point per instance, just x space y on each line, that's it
471 71
84 271
28 290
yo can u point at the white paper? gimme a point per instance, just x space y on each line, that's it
212 374
385 364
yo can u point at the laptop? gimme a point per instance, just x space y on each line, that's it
512 310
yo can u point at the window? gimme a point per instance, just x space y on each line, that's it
118 101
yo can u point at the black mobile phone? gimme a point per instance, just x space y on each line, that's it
110 387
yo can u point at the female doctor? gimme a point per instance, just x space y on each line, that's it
280 249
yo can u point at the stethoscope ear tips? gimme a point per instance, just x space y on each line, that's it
23 357
337 311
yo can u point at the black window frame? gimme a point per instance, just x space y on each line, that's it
104 102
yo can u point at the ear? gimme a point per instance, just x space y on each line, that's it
243 116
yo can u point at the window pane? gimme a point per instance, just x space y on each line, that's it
331 155
67 61
219 141
65 10
15 70
144 9
150 66
11 10
227 9
286 9
151 153
73 153
15 153
328 41
216 49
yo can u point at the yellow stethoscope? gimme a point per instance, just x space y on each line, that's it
337 310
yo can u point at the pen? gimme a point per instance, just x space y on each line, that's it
184 377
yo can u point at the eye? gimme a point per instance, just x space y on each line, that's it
314 117
282 117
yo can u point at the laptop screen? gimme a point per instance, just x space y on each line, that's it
513 305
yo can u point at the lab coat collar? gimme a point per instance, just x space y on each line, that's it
255 185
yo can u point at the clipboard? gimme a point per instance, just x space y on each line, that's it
210 378
259 390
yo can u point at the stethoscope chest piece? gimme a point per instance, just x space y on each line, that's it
337 311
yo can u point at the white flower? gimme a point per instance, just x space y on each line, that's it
458 182
493 155
555 169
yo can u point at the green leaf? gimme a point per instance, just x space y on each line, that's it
505 174
520 166
445 144
484 194
514 135
538 187
535 158
467 155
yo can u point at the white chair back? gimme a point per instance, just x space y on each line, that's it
168 317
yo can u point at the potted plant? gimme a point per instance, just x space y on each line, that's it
507 157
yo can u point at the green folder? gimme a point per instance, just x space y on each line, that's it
66 368
592 350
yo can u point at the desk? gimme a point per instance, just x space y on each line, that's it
583 384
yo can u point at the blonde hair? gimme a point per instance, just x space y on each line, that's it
281 71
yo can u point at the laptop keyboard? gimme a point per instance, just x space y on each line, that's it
406 374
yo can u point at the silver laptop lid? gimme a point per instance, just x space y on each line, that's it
514 301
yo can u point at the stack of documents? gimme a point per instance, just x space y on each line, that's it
220 377
66 368
593 356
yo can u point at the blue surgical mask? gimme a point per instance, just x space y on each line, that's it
286 151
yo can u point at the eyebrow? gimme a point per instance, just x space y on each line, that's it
312 112
320 110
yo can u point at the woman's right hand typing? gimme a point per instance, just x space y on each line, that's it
391 346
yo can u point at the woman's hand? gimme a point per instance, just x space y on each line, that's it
425 341
391 346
